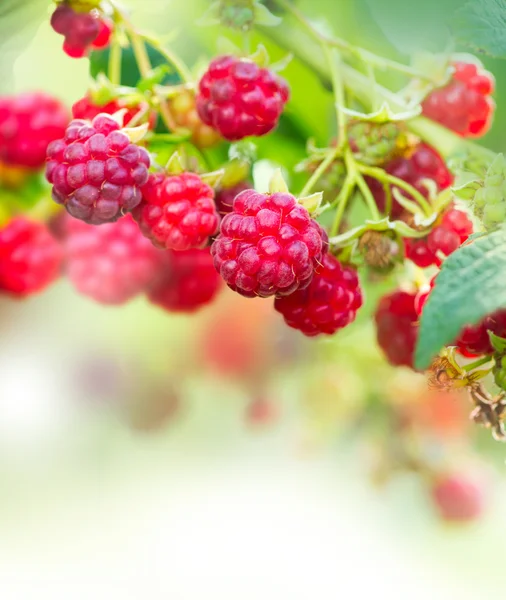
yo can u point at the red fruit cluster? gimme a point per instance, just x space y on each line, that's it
239 99
85 108
452 230
96 171
82 31
225 196
30 258
464 105
188 281
177 212
268 245
421 163
457 498
474 340
28 123
111 263
397 327
328 304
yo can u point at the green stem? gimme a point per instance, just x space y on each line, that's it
333 60
172 58
342 201
114 66
368 197
384 177
140 52
319 171
477 363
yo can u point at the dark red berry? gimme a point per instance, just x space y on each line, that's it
464 104
188 281
422 163
111 263
28 123
458 497
329 303
397 327
85 108
240 99
177 212
268 245
104 35
225 197
96 171
474 340
30 257
453 229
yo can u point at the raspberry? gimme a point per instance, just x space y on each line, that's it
454 229
423 294
177 212
112 263
225 197
464 104
397 328
95 171
189 281
30 258
85 108
28 123
473 340
423 163
184 111
238 98
268 245
81 30
328 304
457 497
375 143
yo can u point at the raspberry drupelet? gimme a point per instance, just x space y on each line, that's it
225 197
177 212
240 99
30 257
29 122
329 303
96 171
268 245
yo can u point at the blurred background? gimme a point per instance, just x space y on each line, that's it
220 455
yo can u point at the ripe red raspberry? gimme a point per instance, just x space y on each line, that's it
225 197
188 282
111 263
28 123
464 104
268 245
95 171
452 230
422 163
81 30
85 108
458 497
239 99
397 328
30 258
474 340
329 303
177 212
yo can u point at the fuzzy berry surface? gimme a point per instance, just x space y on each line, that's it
397 327
177 212
29 122
463 105
86 108
458 498
187 282
329 303
111 263
423 162
96 171
82 31
240 99
225 196
268 245
452 230
474 340
30 257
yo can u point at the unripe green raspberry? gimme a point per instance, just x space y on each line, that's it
376 143
493 195
493 215
480 199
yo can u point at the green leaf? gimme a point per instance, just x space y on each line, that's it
471 285
481 25
498 343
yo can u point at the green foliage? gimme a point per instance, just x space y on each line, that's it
481 25
470 286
